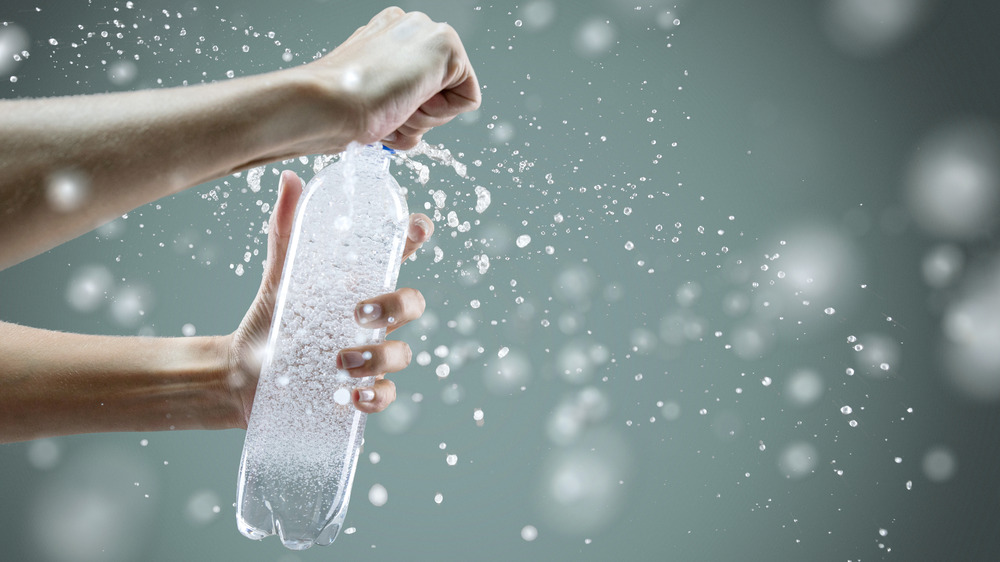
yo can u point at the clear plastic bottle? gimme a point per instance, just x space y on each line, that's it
304 433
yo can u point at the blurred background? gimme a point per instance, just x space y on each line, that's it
719 282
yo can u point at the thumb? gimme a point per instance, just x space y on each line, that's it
280 231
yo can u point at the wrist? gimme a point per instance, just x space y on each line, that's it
219 405
303 113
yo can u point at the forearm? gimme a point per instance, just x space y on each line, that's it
54 383
132 148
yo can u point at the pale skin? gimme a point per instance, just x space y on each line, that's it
392 80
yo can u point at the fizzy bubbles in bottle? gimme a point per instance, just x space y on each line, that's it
304 433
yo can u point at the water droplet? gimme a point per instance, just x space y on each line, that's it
342 396
482 198
378 495
939 464
423 359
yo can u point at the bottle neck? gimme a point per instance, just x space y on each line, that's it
383 155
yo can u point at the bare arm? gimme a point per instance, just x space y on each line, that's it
55 383
393 79
127 149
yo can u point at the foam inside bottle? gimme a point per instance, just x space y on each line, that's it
304 433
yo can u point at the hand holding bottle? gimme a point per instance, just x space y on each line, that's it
248 341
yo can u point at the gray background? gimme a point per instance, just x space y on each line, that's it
643 430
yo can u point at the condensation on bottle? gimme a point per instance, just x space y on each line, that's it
304 433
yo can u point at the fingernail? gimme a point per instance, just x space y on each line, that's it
367 312
351 359
366 395
390 137
418 230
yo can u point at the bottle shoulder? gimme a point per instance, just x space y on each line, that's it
356 185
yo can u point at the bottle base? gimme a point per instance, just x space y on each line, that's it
292 544
325 538
251 532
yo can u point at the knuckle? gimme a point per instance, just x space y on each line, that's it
397 301
411 303
379 359
407 353
421 302
418 15
390 392
449 33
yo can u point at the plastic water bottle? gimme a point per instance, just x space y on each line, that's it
304 433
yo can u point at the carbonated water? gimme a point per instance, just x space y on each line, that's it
304 433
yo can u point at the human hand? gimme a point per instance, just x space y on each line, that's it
396 78
250 338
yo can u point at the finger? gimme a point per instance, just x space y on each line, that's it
389 356
460 90
403 139
421 120
420 230
459 94
280 229
450 102
391 310
376 398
